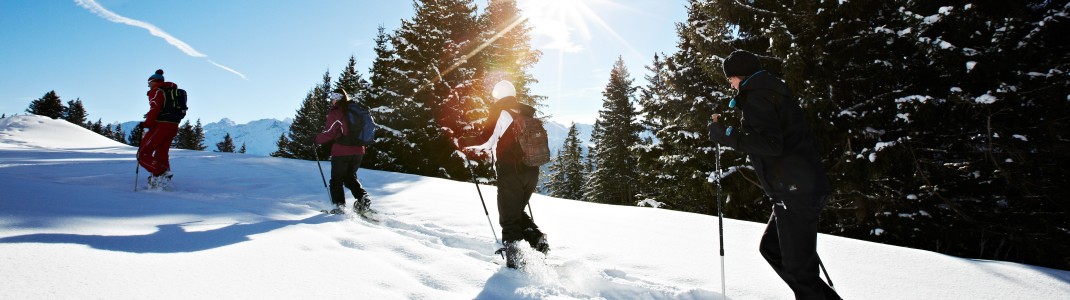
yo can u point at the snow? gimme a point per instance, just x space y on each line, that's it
987 98
242 226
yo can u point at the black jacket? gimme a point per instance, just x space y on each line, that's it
507 151
774 132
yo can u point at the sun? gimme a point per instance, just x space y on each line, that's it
559 20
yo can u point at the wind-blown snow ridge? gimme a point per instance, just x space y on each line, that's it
240 226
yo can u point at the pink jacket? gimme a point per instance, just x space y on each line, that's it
334 128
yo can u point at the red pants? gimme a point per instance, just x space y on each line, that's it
154 146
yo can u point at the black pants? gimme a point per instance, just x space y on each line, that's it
789 244
344 172
516 183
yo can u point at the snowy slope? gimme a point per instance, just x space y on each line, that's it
239 226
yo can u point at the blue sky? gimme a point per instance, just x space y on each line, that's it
249 60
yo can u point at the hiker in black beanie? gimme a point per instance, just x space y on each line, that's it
774 133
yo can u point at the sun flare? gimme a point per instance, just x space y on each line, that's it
558 20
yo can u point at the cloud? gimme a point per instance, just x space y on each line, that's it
99 10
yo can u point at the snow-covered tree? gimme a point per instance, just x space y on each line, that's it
918 109
615 178
567 172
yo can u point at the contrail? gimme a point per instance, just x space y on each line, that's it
99 10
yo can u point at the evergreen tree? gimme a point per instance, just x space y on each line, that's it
384 101
97 127
107 132
76 114
119 135
282 143
435 79
352 82
918 109
300 142
227 145
197 139
48 105
185 137
136 135
615 179
242 150
567 172
508 54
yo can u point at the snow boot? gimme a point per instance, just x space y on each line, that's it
338 210
363 204
513 258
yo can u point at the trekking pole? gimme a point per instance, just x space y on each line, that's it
137 156
720 217
137 166
316 151
827 278
485 211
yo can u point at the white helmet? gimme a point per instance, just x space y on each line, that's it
503 89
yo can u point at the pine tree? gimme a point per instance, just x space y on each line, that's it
434 80
567 172
136 135
197 139
185 137
227 145
76 114
352 82
119 135
242 150
107 132
384 100
615 179
48 105
281 144
300 142
918 111
97 127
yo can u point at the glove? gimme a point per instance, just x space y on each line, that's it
717 132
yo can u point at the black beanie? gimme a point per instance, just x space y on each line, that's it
740 63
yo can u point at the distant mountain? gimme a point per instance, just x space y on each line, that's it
557 132
260 136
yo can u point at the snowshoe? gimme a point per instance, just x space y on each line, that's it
161 182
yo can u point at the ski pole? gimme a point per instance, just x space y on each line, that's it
317 153
720 217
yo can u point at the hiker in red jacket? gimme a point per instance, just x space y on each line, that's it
152 155
345 159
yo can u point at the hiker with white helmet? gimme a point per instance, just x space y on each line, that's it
516 179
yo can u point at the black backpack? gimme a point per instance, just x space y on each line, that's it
174 105
531 135
361 128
